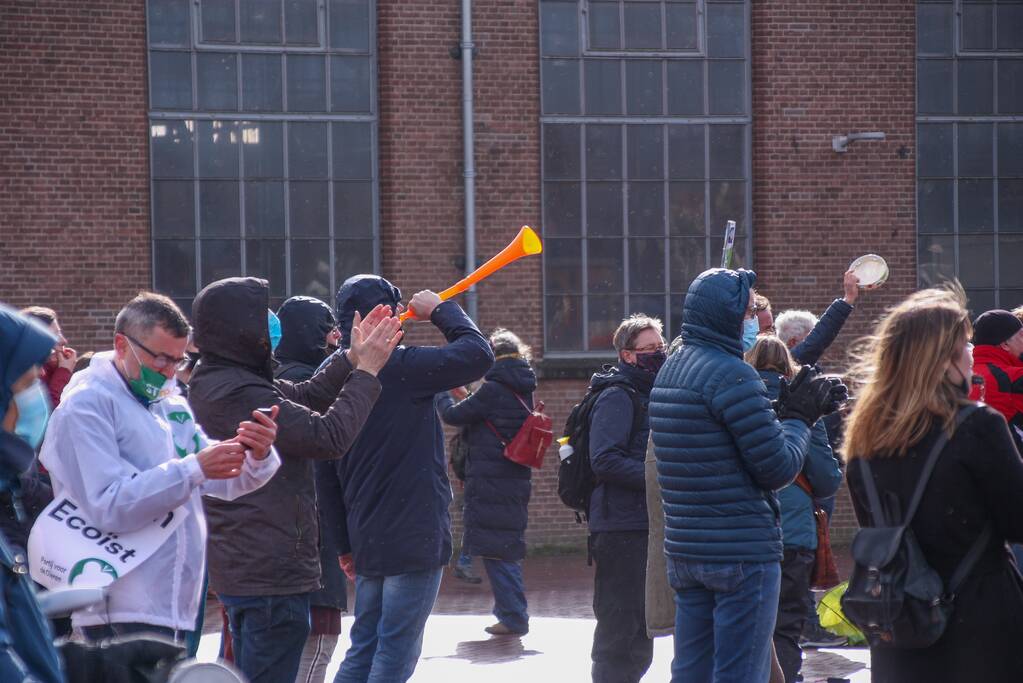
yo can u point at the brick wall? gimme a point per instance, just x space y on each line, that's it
74 188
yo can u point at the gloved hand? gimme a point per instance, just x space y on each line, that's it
809 396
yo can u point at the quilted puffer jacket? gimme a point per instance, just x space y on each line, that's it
721 451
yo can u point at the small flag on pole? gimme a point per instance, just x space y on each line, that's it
726 251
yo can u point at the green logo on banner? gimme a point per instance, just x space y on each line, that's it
89 567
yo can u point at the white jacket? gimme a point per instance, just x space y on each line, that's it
119 461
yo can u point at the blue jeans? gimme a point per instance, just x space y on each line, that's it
732 604
387 636
509 593
268 633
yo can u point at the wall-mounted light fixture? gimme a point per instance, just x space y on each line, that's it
840 143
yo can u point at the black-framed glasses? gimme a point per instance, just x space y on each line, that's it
161 361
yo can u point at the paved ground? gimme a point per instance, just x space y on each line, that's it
559 591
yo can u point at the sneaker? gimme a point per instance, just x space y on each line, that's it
820 637
500 629
465 574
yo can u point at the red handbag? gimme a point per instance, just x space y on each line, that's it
825 570
533 438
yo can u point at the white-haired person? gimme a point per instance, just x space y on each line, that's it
808 337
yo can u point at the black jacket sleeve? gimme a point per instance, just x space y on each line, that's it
823 334
610 434
429 370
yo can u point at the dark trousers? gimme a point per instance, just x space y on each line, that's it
796 568
95 634
622 652
268 633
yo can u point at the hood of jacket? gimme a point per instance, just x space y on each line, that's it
230 322
362 293
641 380
305 322
23 343
514 373
714 308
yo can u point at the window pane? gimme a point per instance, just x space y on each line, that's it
1010 26
603 152
561 204
646 152
310 268
169 23
218 208
686 208
261 21
261 82
727 203
216 73
218 149
977 261
353 209
560 80
604 266
682 23
934 150
603 86
559 29
173 208
726 30
686 151
1010 299
936 208
350 84
934 28
563 266
975 143
263 149
1010 207
301 22
352 257
979 300
652 306
688 259
307 208
564 323
1010 255
1010 86
685 87
171 143
170 83
646 265
646 208
561 151
264 208
1010 150
603 208
727 87
265 259
934 86
604 25
220 259
976 86
307 149
643 89
740 255
353 150
977 25
218 21
174 267
936 259
349 24
976 211
727 151
642 25
307 89
605 314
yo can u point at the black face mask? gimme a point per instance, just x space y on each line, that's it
651 362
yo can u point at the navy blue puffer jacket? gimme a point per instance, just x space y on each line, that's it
721 451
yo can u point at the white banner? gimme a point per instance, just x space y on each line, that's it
66 549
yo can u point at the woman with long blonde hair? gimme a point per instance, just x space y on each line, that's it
913 377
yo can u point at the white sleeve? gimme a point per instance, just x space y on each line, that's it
82 455
254 474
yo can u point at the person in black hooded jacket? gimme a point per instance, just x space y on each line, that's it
497 489
308 335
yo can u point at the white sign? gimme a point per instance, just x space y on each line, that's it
66 549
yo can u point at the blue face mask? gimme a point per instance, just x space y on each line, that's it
273 323
33 414
750 330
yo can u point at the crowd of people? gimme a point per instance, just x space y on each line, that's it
271 457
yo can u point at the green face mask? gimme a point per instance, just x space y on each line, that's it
147 387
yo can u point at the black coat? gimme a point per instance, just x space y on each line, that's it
496 489
978 479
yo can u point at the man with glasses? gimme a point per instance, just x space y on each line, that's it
119 459
618 429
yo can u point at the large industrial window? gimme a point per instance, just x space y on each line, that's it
263 143
646 155
970 148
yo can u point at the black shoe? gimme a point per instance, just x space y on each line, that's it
820 637
465 574
500 629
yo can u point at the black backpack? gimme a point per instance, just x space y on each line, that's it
894 596
575 477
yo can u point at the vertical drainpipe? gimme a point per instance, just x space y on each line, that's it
468 145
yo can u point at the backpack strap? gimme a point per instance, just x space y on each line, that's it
969 560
